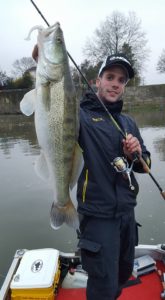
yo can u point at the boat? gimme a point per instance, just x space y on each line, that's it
70 284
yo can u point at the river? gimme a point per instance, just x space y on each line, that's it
25 199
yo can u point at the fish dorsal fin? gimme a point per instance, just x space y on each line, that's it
77 167
27 105
41 167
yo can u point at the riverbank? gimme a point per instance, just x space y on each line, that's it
10 101
149 95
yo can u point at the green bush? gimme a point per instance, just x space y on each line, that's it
23 82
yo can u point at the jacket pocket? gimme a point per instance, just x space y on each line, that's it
92 258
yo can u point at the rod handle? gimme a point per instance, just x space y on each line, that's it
144 164
163 194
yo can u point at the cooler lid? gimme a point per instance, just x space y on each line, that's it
36 270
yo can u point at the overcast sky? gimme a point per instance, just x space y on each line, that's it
79 19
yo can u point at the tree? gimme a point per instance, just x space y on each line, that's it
22 65
161 62
116 32
3 78
127 50
23 82
89 70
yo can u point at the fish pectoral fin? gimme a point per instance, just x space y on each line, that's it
66 214
27 105
41 167
78 163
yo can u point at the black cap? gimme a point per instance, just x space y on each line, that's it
117 60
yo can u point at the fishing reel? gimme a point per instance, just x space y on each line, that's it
121 165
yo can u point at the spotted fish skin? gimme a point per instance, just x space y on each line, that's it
57 123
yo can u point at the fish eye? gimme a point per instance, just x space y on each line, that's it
59 40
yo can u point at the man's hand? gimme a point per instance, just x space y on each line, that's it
131 145
35 53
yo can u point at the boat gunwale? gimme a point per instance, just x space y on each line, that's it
156 251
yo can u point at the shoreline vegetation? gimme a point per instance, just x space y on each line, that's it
151 97
146 106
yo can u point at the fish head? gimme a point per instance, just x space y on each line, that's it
51 44
52 52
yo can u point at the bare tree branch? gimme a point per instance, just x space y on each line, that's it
113 33
22 65
161 62
3 78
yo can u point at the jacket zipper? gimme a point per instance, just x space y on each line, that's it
85 186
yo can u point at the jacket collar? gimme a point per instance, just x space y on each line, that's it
90 102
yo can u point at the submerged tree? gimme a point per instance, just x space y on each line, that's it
114 34
161 63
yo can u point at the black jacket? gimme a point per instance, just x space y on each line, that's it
102 192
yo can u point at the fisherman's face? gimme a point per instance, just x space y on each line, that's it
111 84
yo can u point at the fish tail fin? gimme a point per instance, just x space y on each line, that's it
60 215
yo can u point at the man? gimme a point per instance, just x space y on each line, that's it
106 201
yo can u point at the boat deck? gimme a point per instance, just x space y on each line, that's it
149 288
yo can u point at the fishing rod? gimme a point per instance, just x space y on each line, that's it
141 159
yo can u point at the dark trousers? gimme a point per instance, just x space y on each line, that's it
107 251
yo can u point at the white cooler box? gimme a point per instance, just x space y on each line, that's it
37 276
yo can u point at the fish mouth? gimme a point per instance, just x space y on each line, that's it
52 28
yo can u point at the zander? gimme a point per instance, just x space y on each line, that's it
57 123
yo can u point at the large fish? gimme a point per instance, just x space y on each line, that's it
56 121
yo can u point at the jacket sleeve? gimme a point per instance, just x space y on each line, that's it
138 167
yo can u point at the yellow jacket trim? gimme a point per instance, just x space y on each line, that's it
85 186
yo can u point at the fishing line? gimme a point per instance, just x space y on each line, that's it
141 159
